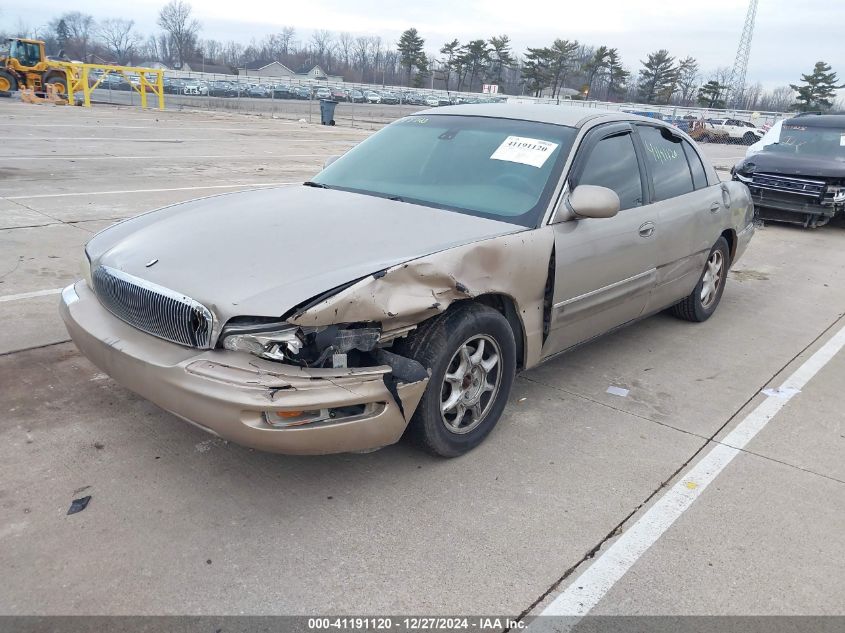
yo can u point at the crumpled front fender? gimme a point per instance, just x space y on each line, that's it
514 265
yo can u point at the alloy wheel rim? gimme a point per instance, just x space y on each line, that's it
471 383
712 280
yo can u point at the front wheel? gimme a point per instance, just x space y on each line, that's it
59 85
471 353
703 300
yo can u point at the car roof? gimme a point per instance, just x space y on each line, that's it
817 120
569 115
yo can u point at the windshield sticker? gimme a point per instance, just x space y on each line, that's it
528 151
842 141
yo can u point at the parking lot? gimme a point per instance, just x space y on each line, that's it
183 523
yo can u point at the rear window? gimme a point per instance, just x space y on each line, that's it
667 163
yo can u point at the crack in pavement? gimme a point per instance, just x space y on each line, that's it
617 529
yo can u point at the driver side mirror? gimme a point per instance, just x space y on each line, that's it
330 160
587 201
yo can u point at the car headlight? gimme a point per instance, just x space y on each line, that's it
310 346
838 193
276 341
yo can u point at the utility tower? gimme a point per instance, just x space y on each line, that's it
736 84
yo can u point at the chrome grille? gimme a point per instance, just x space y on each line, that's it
787 184
152 308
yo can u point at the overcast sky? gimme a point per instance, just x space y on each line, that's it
789 37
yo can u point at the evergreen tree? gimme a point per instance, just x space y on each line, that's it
62 34
476 56
596 65
658 77
535 70
500 57
818 91
561 55
452 51
617 76
410 47
711 94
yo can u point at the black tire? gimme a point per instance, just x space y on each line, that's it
436 345
59 82
749 138
10 83
693 308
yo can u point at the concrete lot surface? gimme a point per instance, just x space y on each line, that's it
183 523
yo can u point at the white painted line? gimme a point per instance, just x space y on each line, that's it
125 191
30 295
589 588
159 158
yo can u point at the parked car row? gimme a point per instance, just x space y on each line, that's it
225 88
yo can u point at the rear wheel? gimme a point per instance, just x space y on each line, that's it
471 353
749 138
8 83
703 300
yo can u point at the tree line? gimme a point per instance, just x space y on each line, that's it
564 69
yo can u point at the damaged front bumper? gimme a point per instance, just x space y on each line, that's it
232 394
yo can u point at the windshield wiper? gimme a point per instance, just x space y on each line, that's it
319 185
395 198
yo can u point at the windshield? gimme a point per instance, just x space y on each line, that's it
828 142
496 168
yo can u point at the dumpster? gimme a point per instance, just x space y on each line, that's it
327 107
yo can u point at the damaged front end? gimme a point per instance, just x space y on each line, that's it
332 346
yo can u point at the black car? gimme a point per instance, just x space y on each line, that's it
301 92
222 89
114 81
173 86
389 98
281 91
801 178
356 96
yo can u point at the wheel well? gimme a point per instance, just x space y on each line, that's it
55 73
507 307
730 237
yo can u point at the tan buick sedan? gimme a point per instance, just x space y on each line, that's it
401 289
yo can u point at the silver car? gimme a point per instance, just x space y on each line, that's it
401 289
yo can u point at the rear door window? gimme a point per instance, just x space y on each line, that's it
667 164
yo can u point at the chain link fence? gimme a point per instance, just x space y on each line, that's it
371 106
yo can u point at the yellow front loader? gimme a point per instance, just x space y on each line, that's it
24 65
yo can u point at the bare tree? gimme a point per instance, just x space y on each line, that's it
345 45
119 37
362 51
321 41
79 28
175 18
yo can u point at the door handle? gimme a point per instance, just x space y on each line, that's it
647 229
715 207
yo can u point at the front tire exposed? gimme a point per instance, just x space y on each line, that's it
705 297
471 353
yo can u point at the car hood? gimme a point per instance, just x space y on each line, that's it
262 252
775 162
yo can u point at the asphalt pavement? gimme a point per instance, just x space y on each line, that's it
183 523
